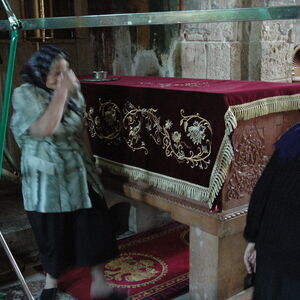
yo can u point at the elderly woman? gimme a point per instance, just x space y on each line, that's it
62 193
273 224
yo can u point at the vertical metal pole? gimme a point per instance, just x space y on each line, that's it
17 270
3 126
7 92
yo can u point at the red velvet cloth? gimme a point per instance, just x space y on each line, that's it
232 92
210 99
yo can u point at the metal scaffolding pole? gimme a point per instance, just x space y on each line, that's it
15 27
162 18
16 268
7 92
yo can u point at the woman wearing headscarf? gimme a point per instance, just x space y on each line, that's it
62 193
273 224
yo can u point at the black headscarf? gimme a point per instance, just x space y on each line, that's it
35 71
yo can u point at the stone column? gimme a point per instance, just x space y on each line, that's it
203 264
212 50
271 46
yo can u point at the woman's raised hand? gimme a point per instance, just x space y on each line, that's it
69 80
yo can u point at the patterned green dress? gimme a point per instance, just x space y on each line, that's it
57 169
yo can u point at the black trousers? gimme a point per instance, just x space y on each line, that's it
79 238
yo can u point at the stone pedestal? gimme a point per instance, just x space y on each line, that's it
216 261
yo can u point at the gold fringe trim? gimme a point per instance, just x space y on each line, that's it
225 155
166 183
260 108
234 114
220 169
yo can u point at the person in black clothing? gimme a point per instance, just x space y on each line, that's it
273 224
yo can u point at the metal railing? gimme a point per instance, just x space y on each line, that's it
162 18
15 26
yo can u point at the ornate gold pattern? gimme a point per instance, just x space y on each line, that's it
172 84
192 145
107 124
224 157
134 121
133 270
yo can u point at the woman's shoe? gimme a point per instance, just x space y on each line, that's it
48 294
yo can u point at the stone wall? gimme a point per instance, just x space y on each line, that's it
140 50
237 50
230 50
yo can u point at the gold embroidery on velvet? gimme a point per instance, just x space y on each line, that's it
225 154
135 121
191 145
132 270
172 84
107 124
196 128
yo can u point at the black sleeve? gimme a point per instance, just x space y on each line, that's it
259 199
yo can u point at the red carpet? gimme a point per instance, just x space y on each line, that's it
152 265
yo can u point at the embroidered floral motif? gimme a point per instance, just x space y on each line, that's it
138 126
107 125
196 133
168 124
176 137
